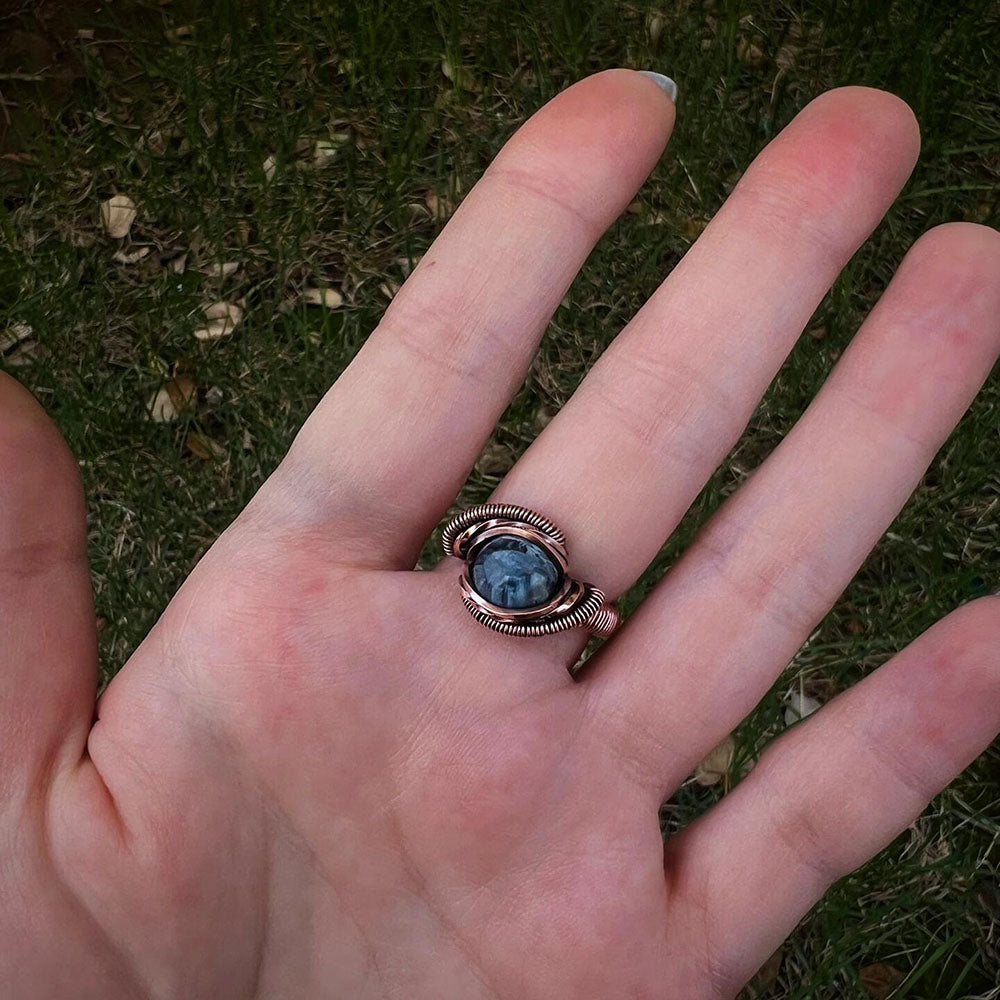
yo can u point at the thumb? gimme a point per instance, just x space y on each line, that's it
48 647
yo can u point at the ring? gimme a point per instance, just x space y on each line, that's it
516 578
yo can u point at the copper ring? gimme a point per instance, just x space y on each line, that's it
573 605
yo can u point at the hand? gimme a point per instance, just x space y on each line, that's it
320 777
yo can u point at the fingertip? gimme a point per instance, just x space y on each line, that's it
948 287
885 116
970 242
665 83
975 627
863 137
41 477
625 101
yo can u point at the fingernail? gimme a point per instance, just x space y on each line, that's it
663 82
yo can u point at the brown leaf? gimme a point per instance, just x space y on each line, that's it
325 150
716 764
221 270
15 334
172 399
880 980
749 52
459 75
693 228
328 297
204 447
130 256
439 206
117 215
798 706
654 27
495 460
222 317
26 352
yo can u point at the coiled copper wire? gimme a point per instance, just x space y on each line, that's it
578 605
495 512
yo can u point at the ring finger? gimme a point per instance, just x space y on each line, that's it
624 459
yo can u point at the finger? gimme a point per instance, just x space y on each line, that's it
48 647
832 792
710 640
388 448
620 464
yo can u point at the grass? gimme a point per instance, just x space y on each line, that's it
183 122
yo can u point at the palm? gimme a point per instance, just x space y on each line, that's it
319 777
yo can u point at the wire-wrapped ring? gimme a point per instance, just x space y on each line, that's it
516 578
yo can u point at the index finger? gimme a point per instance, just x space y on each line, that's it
405 422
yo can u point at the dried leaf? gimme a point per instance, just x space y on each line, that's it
172 399
15 334
156 142
495 460
85 34
204 447
243 232
179 263
24 354
880 980
328 297
270 165
130 256
542 418
799 706
439 206
459 75
694 227
117 215
749 52
213 396
786 56
18 346
222 317
406 264
716 765
325 150
654 27
223 270
183 31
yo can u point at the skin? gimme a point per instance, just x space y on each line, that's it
320 777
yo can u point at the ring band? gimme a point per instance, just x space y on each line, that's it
516 578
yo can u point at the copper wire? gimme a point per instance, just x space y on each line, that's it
586 607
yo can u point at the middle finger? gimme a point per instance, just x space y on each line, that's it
623 460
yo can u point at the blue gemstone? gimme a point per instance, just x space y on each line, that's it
512 572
